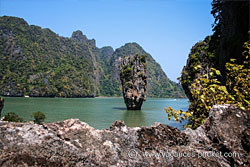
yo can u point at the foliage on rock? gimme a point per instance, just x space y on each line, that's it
208 91
237 81
39 62
133 76
159 85
231 26
200 61
231 86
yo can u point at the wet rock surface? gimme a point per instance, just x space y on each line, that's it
75 143
133 76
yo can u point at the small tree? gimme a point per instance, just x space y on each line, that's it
12 117
39 117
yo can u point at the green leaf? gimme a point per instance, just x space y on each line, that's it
217 72
212 89
223 88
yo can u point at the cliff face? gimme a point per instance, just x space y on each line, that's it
230 33
199 62
75 143
133 75
38 62
159 85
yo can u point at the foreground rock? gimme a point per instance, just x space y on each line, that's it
75 143
133 77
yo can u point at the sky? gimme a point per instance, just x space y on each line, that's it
166 29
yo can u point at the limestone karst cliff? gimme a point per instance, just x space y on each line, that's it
35 61
133 76
230 32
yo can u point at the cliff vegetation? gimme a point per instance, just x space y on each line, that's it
38 62
217 69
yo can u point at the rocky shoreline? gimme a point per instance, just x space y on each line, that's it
223 140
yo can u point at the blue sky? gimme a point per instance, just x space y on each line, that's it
167 29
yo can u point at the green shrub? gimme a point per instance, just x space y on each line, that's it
12 117
142 58
127 72
238 80
39 117
140 74
208 91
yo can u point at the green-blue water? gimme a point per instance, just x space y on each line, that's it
99 113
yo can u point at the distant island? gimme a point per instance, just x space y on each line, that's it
37 62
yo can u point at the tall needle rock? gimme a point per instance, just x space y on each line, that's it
133 76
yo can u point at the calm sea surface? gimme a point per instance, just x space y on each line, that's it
99 113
